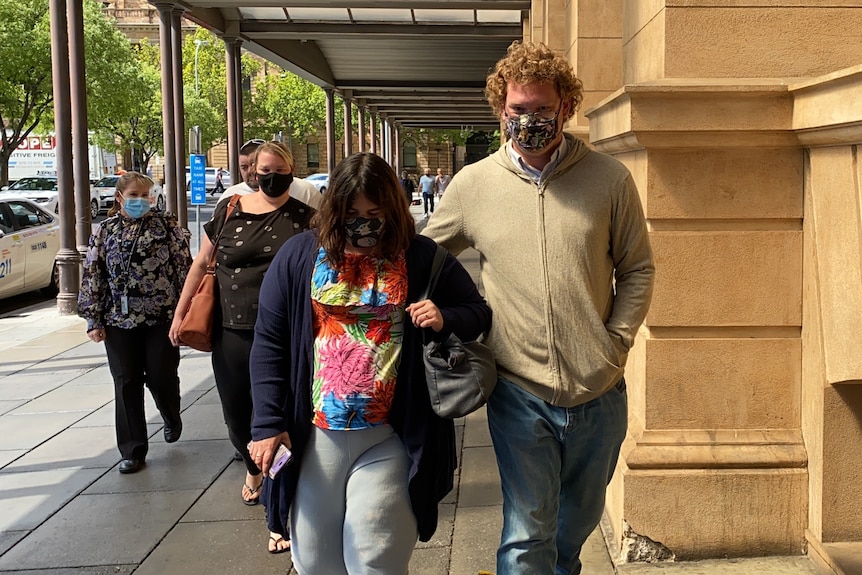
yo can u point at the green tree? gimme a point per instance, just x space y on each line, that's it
26 91
295 106
26 94
130 117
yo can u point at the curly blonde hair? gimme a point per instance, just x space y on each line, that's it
529 63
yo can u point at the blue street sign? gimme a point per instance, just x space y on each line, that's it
198 164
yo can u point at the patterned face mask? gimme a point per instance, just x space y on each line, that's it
364 232
531 131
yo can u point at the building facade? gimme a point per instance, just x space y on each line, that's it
741 122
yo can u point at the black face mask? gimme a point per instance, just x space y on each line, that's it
274 184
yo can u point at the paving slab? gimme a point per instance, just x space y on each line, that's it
99 376
222 501
475 539
7 406
234 547
10 538
210 397
429 561
175 466
752 566
476 433
107 570
204 421
25 386
69 398
94 530
29 430
28 499
10 455
87 447
480 480
445 526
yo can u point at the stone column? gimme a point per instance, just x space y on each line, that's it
172 178
67 257
715 463
363 144
348 123
234 113
180 202
372 131
330 130
80 144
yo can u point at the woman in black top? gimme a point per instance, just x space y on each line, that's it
252 234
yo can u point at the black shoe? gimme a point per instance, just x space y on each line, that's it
173 431
131 465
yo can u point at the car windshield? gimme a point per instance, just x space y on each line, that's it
34 184
317 177
109 182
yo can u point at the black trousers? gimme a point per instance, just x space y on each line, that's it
230 357
428 198
137 357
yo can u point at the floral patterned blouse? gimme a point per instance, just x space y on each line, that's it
358 326
134 271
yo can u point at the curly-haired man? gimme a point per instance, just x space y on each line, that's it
568 271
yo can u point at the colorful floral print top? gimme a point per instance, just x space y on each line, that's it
358 327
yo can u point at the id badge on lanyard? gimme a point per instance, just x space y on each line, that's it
124 299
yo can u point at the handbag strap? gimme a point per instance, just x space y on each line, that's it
231 205
436 266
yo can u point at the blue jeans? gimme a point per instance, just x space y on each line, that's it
555 464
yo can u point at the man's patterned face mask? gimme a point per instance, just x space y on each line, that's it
532 131
364 232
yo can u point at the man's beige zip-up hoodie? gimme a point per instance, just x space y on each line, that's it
550 258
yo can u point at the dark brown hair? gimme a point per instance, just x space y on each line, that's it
367 174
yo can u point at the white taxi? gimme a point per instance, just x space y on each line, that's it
29 242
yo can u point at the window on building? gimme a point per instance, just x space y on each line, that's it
313 152
408 155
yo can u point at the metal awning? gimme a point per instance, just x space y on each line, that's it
419 63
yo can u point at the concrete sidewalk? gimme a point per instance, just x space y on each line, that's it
65 510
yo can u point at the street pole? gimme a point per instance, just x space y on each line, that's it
198 44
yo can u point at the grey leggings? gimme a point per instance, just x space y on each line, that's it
351 513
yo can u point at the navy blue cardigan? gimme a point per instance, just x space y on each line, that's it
281 372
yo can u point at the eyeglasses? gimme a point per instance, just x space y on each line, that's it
250 146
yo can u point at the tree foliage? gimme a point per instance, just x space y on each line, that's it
26 93
130 117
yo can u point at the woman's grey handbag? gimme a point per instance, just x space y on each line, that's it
460 375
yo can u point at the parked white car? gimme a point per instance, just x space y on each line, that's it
104 190
43 190
29 242
319 181
40 189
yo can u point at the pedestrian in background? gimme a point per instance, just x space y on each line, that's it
136 263
248 240
441 182
408 186
545 202
428 187
338 377
219 183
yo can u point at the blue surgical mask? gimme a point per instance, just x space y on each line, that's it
136 207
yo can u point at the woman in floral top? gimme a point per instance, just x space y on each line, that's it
136 264
337 376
